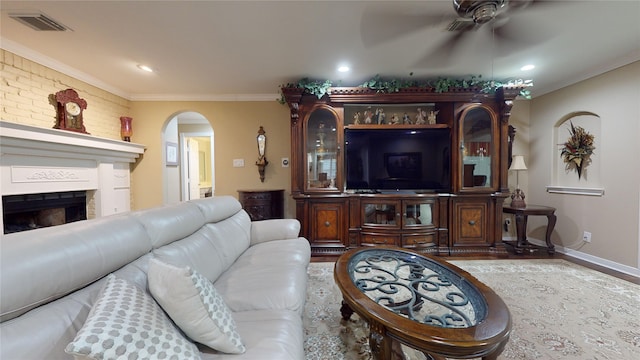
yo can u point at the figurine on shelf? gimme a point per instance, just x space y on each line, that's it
406 119
356 118
432 117
367 116
395 119
380 116
420 118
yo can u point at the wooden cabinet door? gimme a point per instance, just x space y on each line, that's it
328 226
470 223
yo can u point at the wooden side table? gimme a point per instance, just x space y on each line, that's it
522 215
262 204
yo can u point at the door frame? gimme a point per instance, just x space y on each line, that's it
183 169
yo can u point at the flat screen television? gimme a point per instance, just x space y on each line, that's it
398 159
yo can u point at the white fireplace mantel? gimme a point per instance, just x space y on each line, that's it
36 160
57 143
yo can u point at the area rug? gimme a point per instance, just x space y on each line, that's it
560 310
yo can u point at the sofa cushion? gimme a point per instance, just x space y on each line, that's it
290 251
212 249
125 322
267 334
168 223
218 208
277 287
57 260
195 306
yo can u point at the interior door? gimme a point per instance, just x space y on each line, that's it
193 177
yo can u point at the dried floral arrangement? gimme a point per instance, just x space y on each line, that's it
577 150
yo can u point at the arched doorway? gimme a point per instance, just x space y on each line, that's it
192 173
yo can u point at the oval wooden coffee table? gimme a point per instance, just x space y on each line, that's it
422 302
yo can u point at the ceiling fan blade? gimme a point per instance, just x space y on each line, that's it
443 53
524 4
515 33
377 27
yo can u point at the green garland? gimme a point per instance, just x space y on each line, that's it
319 88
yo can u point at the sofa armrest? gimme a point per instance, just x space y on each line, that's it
274 229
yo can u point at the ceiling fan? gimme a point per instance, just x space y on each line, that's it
480 11
504 18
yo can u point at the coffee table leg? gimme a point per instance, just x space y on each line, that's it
345 310
379 343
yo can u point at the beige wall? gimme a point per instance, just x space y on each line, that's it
235 126
613 219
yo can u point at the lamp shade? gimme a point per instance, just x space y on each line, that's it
518 163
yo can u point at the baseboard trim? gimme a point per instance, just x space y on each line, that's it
625 269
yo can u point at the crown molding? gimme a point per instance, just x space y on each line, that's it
205 97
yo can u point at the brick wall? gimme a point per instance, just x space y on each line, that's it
28 86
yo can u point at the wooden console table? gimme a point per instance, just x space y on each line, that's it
522 215
262 204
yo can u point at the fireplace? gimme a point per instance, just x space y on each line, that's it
51 176
32 211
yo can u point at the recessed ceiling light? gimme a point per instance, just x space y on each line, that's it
528 67
343 68
145 68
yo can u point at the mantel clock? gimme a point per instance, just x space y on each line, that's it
69 107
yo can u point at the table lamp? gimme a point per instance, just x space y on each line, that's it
517 197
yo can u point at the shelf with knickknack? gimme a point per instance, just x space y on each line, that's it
391 114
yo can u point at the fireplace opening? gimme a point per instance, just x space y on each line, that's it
32 211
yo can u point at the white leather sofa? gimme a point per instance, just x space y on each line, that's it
50 277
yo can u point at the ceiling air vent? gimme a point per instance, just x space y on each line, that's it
39 22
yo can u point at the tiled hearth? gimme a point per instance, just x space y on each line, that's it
37 160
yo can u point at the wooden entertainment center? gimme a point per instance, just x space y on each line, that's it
359 178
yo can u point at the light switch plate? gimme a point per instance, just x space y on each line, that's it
285 162
238 162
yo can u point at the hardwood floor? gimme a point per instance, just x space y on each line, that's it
540 254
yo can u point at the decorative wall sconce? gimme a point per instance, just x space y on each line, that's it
517 198
125 128
262 147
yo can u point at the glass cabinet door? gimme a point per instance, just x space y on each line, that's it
418 213
477 147
381 213
322 151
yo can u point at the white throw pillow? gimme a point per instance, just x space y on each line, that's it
195 306
126 323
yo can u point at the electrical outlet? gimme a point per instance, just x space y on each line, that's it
586 236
